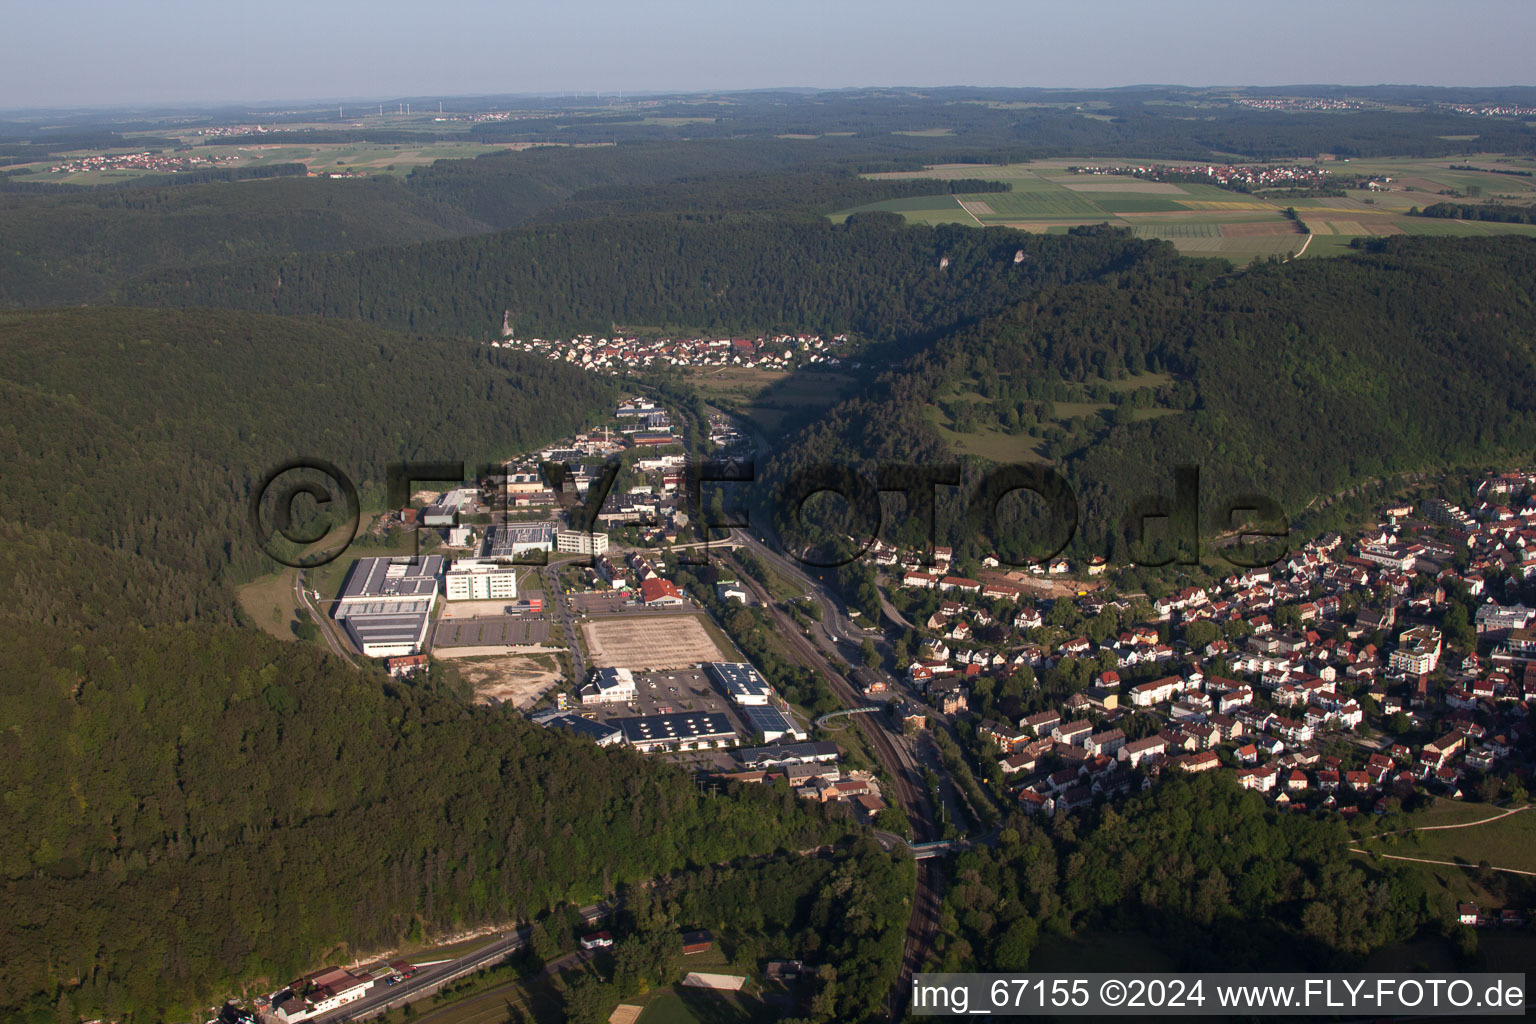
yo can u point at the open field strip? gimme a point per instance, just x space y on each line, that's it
1175 229
1226 204
1060 227
1506 840
1256 228
1057 202
1118 184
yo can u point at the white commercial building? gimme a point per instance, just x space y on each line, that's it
1418 651
609 686
479 579
579 542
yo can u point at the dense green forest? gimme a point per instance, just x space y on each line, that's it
1500 212
71 244
198 808
844 916
1204 871
132 440
1288 380
781 153
871 275
73 247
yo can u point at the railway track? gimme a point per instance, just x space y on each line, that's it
910 791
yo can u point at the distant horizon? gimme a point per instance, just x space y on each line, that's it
299 103
81 54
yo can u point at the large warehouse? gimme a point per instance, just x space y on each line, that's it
688 730
387 603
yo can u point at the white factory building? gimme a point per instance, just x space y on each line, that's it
579 542
480 579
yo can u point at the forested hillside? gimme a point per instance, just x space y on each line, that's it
869 275
74 246
132 440
1206 872
195 808
1288 380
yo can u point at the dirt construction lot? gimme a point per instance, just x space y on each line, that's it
650 642
518 678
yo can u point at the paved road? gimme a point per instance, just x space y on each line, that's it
323 622
558 606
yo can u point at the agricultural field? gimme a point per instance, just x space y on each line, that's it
1204 220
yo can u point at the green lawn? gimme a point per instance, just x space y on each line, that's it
269 601
986 443
686 1005
1509 842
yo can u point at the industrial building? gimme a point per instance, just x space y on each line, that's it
480 579
387 604
741 682
601 733
509 540
790 753
320 993
444 512
689 730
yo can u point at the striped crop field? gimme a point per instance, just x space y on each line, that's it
1057 202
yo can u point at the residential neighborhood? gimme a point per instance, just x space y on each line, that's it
1347 678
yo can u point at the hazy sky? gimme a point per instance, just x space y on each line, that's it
94 52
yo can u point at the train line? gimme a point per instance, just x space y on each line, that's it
910 791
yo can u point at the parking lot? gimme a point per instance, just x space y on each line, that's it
610 603
662 693
491 631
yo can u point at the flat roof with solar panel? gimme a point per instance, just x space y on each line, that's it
511 539
387 602
393 577
769 721
678 731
